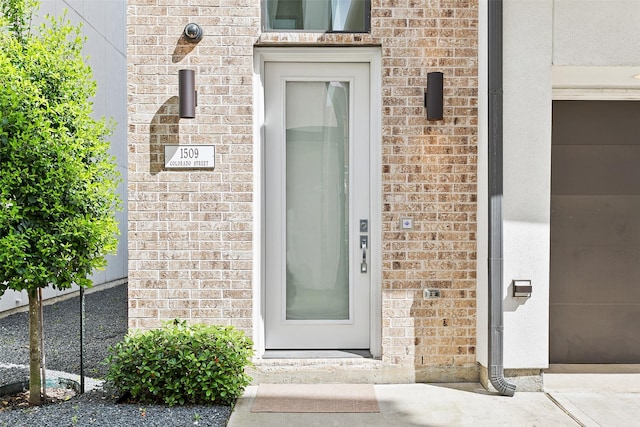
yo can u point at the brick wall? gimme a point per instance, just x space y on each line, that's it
429 173
190 233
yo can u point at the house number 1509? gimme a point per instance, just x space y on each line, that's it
189 156
188 153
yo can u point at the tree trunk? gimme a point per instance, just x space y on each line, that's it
34 349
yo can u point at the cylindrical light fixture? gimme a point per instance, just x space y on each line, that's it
433 96
187 94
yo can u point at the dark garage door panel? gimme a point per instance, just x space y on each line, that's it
595 169
597 333
595 249
595 233
596 122
602 220
596 275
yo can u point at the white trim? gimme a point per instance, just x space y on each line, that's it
593 76
316 54
375 221
372 56
594 83
258 206
595 94
482 339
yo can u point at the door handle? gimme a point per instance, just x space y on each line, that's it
363 245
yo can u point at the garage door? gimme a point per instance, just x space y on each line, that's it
595 232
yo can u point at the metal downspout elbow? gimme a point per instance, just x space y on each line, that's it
496 377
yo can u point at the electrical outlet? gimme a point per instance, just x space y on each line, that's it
430 293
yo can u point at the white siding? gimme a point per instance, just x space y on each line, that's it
104 24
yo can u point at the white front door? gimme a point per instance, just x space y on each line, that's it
317 248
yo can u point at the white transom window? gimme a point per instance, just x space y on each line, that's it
351 16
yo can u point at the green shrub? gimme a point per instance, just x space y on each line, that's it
181 364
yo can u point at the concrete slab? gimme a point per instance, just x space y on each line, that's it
421 405
599 397
601 409
592 382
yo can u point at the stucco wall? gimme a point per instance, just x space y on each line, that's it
538 36
104 26
596 32
526 181
527 178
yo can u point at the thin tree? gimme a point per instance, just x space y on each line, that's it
57 180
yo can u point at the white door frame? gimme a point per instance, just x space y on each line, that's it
369 55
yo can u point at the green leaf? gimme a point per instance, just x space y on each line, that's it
57 181
182 375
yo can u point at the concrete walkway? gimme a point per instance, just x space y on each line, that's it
570 400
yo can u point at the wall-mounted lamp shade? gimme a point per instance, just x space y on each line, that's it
433 96
521 288
192 33
187 94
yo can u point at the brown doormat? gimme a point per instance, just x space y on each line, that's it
315 398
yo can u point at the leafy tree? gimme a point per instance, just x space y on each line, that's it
57 181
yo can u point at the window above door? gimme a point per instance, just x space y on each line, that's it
334 16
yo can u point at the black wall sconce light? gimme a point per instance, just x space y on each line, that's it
521 288
433 96
192 33
187 94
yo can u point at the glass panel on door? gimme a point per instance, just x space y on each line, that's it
317 203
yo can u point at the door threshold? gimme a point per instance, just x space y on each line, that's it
317 354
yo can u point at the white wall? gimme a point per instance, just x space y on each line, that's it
547 44
596 32
596 49
527 147
528 26
104 25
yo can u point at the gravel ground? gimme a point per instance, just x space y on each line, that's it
105 325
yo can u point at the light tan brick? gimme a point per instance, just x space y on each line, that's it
183 225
